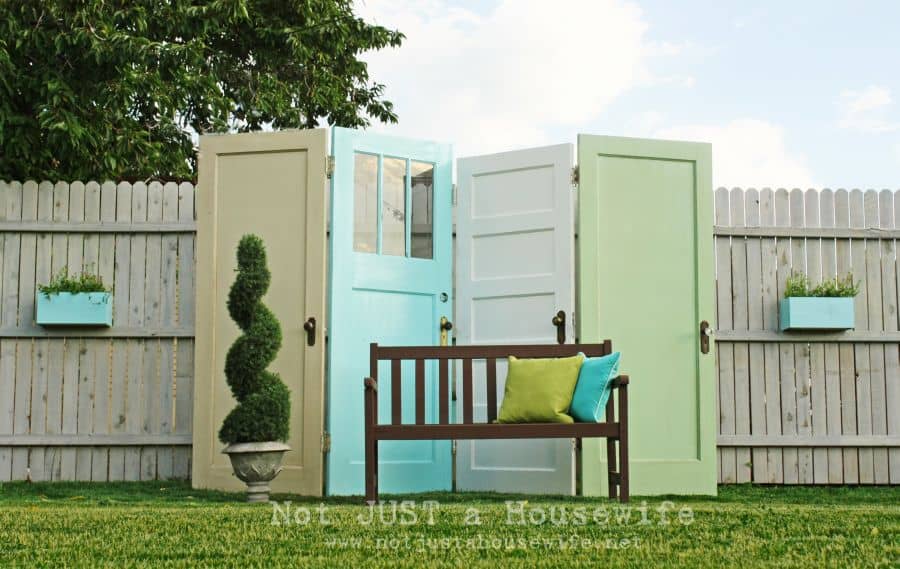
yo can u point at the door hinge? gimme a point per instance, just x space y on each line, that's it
453 194
326 442
329 166
575 176
453 448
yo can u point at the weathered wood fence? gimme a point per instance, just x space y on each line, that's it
115 404
807 408
108 404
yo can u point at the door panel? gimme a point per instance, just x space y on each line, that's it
390 266
646 276
515 241
272 185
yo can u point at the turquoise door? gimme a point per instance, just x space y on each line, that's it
390 266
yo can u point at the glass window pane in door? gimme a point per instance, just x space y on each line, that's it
393 207
422 231
365 203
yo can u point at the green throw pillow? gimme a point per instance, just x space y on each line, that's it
539 390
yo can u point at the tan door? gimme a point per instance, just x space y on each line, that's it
273 185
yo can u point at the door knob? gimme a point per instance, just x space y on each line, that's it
310 327
705 333
560 322
445 328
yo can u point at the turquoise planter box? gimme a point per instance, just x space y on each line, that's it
80 309
816 313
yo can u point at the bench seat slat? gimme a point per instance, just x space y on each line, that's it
496 431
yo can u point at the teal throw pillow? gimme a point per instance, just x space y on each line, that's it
593 389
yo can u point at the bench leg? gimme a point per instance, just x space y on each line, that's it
611 480
371 470
623 443
371 419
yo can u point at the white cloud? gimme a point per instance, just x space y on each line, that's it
646 122
499 80
748 153
867 110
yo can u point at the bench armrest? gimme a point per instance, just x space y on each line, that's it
620 381
370 384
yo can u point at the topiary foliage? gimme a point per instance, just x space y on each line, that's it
264 408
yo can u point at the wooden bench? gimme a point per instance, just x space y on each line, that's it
615 431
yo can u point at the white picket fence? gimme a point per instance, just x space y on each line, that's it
108 404
808 408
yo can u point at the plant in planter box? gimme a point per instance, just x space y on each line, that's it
73 300
257 428
826 306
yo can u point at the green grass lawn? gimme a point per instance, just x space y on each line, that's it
133 524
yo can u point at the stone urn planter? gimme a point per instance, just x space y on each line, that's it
256 464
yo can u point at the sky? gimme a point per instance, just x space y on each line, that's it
791 94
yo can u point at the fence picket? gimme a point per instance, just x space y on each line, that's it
9 313
24 350
184 359
740 319
727 456
832 364
755 322
57 348
844 249
87 357
73 346
768 250
121 291
102 376
879 213
814 424
862 352
151 373
40 371
167 300
786 351
892 378
133 407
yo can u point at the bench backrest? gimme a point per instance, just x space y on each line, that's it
466 355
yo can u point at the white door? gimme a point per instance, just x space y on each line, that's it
515 270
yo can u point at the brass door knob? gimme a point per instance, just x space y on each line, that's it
560 322
310 327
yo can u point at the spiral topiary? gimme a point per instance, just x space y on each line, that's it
263 401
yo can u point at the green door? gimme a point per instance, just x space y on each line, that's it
646 282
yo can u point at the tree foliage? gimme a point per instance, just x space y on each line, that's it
116 88
264 408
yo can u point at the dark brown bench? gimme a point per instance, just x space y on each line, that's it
614 431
